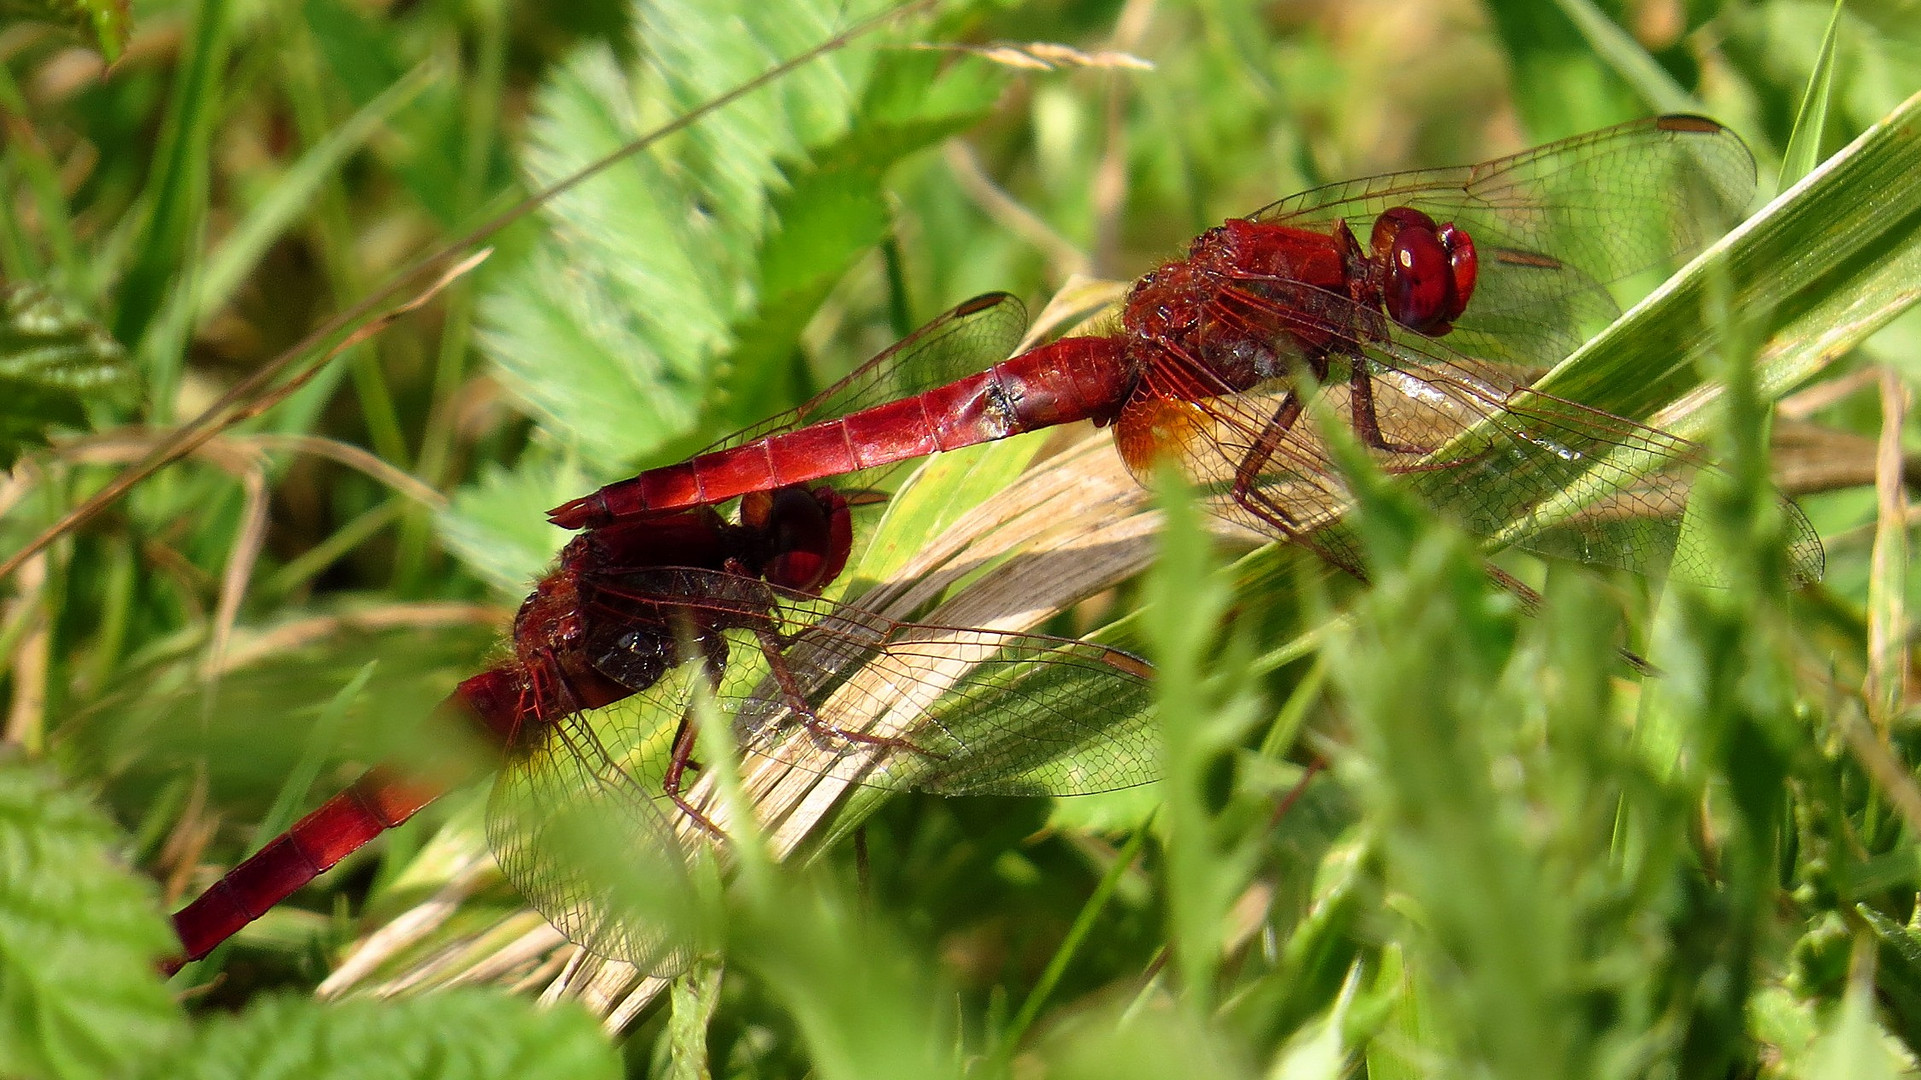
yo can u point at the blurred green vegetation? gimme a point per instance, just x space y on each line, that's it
1522 858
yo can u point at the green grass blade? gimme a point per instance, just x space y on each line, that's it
1206 708
1804 145
168 252
292 195
1628 59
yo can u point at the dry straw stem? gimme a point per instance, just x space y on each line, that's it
1888 644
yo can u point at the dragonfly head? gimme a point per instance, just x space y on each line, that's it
1427 270
803 537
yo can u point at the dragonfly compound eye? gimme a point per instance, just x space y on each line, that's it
1429 270
808 537
1466 264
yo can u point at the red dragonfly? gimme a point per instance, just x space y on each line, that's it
607 654
1509 260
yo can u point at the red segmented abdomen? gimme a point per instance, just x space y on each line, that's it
378 801
1075 379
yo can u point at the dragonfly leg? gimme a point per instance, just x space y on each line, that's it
1367 418
1249 470
1531 604
1314 767
772 644
679 764
1266 510
681 761
1247 488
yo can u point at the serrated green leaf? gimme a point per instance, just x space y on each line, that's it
666 305
459 1035
609 333
1897 975
496 526
597 334
54 361
834 211
79 938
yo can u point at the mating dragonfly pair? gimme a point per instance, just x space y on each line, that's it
1419 306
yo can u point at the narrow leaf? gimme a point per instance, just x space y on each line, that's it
1804 145
1629 60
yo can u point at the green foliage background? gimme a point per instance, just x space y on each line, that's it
1522 860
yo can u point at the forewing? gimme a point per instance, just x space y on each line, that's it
578 826
968 339
1564 480
839 692
1554 225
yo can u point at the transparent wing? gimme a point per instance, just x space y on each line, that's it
968 339
1556 224
579 822
577 825
836 691
1501 460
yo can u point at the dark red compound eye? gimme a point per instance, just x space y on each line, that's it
810 534
1419 282
1429 270
1466 263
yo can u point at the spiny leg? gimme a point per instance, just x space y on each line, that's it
1531 602
681 760
1367 417
1247 490
1265 446
772 646
1251 498
679 764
